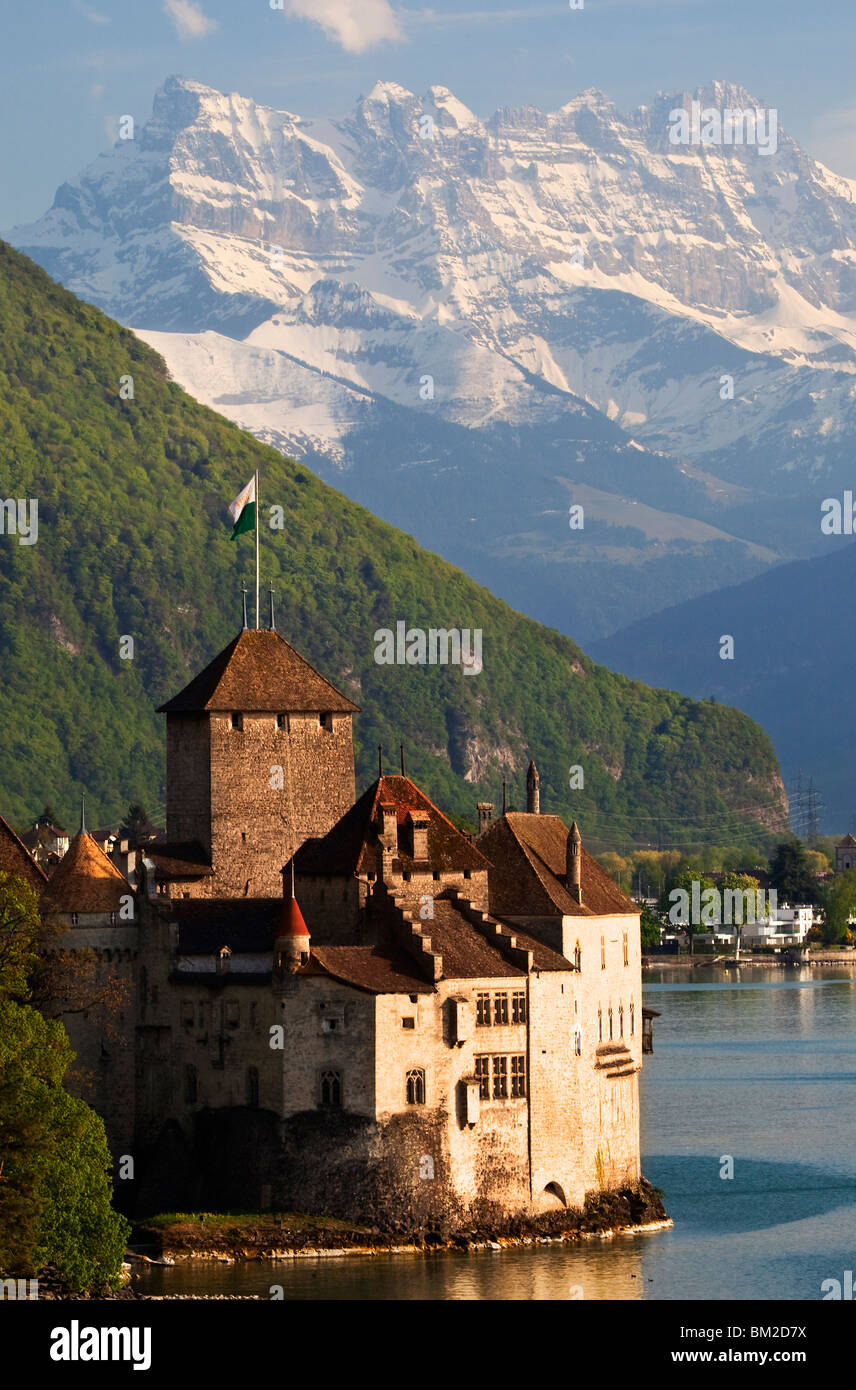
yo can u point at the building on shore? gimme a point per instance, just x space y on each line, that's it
343 1003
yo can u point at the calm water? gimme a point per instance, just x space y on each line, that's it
759 1065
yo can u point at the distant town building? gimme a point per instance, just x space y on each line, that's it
845 854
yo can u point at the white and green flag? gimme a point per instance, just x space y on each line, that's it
243 509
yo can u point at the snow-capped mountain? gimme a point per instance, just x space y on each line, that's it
410 290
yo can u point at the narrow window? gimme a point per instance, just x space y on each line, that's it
282 721
500 1078
610 1022
253 1016
237 721
326 722
518 1006
578 1042
603 953
190 1091
187 1012
74 919
518 1076
416 1086
253 1087
233 1014
483 1074
500 1009
578 957
621 1020
331 1088
599 1023
626 949
483 1010
632 1019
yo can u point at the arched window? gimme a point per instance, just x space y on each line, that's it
416 1086
252 1087
331 1088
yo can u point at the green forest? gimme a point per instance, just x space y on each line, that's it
133 541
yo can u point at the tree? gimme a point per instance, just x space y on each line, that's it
680 906
54 1160
791 874
136 827
649 924
838 905
48 816
743 909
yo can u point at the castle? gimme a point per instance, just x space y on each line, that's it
345 1004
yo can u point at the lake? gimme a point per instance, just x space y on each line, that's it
757 1066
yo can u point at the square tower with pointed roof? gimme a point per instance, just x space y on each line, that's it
260 757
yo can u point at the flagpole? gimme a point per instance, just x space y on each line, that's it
257 549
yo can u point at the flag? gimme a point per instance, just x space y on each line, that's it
243 509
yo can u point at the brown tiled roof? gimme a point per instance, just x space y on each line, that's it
85 880
377 969
16 859
40 833
849 842
528 854
467 955
260 671
178 859
352 844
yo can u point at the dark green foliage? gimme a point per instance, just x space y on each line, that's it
790 874
650 926
134 540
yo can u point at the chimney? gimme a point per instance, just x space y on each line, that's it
388 836
574 863
419 826
485 812
533 791
291 942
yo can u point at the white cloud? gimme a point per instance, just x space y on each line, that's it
94 16
355 24
189 21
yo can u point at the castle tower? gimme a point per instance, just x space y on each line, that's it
291 943
574 864
259 758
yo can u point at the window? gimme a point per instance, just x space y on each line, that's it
621 1020
233 1013
416 1086
331 1088
187 1012
253 1016
578 957
626 949
483 1010
603 953
237 721
632 1019
190 1089
610 1022
518 1006
578 1042
326 722
500 1078
201 1015
500 1009
74 919
252 1087
518 1076
282 721
483 1074
408 1022
330 1025
599 1023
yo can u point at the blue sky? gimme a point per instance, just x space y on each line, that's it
70 67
